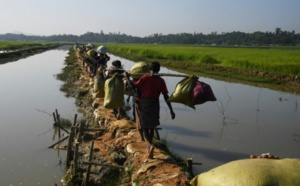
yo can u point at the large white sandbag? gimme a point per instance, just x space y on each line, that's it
252 172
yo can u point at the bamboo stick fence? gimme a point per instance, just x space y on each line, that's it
74 139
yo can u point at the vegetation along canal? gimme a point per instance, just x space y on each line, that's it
30 93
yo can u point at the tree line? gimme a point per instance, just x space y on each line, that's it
278 37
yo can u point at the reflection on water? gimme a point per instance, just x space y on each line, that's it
29 95
244 120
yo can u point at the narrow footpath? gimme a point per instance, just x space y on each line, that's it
106 150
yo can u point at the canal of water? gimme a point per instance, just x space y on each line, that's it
29 95
244 120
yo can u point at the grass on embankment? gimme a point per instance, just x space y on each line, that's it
70 73
15 45
10 50
274 65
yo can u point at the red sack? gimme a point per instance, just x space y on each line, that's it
202 93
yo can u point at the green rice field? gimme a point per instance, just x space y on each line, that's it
278 59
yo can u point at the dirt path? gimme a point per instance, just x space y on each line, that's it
116 143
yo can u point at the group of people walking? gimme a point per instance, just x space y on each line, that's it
147 90
93 59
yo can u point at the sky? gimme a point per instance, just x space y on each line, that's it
147 17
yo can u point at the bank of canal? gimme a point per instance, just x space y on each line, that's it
108 151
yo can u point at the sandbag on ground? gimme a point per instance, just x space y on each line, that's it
252 172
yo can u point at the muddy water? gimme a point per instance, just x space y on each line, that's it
29 93
244 120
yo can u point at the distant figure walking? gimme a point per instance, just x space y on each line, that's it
101 60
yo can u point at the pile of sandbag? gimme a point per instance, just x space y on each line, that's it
190 92
252 172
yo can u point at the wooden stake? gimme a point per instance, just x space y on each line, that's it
163 74
75 118
157 74
89 166
58 122
54 118
190 165
64 129
81 130
76 158
69 150
58 142
103 164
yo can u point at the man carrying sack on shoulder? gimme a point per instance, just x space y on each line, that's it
151 86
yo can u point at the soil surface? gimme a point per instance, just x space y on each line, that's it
118 156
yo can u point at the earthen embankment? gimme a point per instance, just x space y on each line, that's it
109 149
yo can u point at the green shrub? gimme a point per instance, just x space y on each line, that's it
207 59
